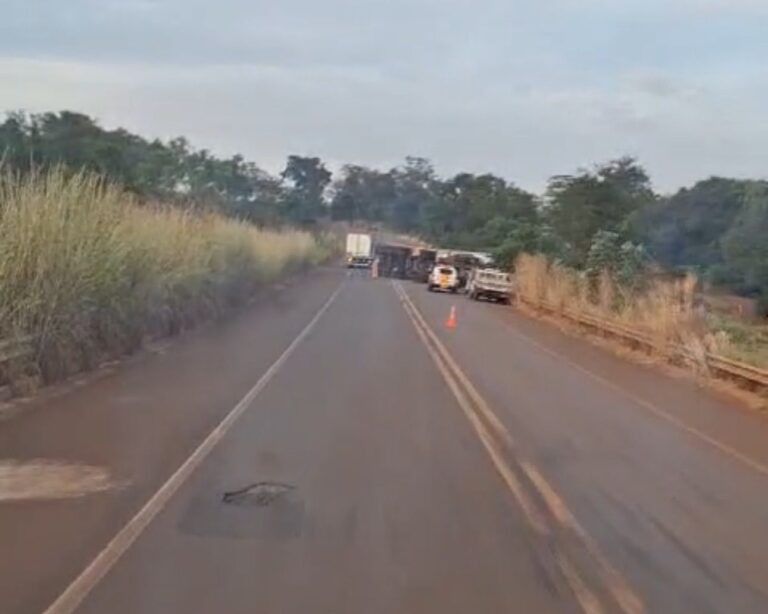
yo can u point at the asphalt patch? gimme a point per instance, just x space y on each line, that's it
270 511
258 494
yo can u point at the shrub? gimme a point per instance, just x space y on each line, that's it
88 271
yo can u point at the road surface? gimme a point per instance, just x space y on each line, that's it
336 449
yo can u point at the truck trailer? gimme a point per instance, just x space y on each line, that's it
359 250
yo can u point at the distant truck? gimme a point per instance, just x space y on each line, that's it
490 284
359 251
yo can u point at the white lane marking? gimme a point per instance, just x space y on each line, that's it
647 405
531 513
78 590
479 401
615 582
620 589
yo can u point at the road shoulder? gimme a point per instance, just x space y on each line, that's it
137 424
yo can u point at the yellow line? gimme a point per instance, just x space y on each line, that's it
89 578
616 584
586 598
479 401
532 515
648 406
554 502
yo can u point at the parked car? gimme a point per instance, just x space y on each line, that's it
491 284
443 277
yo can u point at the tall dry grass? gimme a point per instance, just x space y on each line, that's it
88 271
664 309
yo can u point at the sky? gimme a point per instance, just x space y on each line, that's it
525 89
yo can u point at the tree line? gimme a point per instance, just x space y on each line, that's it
608 216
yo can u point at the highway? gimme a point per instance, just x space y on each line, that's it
336 449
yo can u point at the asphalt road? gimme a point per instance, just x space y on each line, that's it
336 449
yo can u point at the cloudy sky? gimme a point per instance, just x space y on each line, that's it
523 88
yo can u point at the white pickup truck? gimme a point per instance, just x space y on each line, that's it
491 284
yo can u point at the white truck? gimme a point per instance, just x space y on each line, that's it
490 284
359 253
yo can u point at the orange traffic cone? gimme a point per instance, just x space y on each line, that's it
451 321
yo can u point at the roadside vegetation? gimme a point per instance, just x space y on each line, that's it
88 271
665 308
605 221
744 341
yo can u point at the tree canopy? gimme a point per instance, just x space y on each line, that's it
604 217
605 199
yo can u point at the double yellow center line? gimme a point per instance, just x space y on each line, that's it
596 584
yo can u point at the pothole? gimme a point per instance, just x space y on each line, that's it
49 479
259 494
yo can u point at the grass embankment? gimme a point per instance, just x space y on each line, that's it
667 310
746 341
89 272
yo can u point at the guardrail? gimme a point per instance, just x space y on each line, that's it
751 376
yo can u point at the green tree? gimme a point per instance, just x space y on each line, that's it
361 193
578 206
686 229
603 253
306 178
481 211
415 194
745 245
627 262
174 171
17 135
594 219
522 238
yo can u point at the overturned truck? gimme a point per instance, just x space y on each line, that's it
392 259
403 261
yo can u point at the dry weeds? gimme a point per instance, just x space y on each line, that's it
88 271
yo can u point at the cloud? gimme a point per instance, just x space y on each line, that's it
519 88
